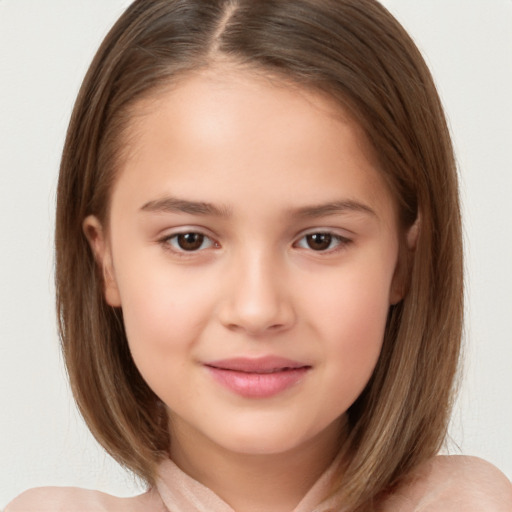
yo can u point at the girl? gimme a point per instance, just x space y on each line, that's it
258 213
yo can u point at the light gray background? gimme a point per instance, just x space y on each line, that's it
45 48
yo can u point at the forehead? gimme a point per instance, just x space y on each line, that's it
208 100
219 128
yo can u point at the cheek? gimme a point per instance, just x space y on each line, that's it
352 316
353 300
164 313
356 334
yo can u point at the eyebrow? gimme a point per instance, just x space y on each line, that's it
176 205
333 208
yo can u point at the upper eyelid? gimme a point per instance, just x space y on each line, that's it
340 238
166 237
337 232
342 241
171 232
175 252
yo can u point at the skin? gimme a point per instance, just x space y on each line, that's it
267 157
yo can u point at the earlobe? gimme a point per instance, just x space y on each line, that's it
397 292
98 242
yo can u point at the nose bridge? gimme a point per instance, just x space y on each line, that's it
257 297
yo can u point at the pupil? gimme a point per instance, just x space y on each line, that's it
319 241
190 241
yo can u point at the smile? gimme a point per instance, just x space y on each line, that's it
257 378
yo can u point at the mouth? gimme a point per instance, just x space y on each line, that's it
258 377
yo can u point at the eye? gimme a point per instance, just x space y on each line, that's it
189 242
322 241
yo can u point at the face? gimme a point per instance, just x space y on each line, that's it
253 248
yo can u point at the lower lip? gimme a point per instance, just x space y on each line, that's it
258 385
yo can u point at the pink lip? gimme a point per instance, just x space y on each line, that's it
257 378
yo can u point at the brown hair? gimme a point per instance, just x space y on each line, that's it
356 52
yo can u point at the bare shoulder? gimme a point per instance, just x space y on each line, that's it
451 484
73 499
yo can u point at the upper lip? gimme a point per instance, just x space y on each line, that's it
265 364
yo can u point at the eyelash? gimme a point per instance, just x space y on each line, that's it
168 243
340 242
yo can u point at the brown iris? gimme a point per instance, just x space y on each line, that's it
190 241
319 241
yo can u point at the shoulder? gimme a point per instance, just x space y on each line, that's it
73 499
454 483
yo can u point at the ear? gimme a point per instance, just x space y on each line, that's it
97 239
401 277
411 237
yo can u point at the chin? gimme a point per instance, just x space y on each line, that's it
258 445
272 437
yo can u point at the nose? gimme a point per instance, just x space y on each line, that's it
257 300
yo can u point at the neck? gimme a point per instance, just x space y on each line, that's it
256 482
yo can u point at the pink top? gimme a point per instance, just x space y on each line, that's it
443 484
188 495
175 492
